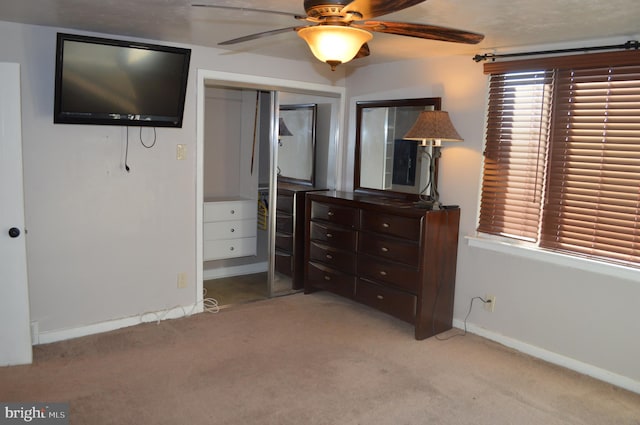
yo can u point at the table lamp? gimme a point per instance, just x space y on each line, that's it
431 129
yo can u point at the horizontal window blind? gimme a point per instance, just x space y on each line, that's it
592 204
516 138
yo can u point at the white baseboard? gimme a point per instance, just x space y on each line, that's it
554 358
172 313
111 325
235 270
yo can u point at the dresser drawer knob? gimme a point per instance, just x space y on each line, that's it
327 277
329 257
385 225
233 211
383 273
231 249
380 297
330 213
233 230
384 249
329 235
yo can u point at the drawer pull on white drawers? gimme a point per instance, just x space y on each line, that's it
385 225
233 211
327 277
233 230
384 249
383 273
231 248
380 297
329 257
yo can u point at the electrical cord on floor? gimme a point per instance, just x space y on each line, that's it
465 319
209 305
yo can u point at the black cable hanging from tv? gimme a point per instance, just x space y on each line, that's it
631 44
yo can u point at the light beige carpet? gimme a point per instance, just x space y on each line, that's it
304 360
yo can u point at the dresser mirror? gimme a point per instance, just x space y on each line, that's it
296 143
384 162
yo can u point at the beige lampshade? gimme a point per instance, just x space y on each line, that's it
433 126
334 44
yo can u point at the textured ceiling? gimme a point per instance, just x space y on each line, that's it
507 24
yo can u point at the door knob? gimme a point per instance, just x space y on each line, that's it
14 232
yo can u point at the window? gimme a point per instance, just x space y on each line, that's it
518 129
562 155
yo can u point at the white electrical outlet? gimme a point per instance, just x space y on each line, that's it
182 280
490 304
181 152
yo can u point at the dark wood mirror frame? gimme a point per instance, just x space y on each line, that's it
434 102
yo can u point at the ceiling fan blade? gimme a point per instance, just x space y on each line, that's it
248 9
258 35
372 8
430 32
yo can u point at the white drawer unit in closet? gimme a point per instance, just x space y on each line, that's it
229 229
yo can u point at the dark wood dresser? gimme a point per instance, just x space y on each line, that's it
290 222
385 253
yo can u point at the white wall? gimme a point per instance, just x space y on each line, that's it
583 319
104 244
223 124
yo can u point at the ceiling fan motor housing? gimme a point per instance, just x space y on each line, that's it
323 8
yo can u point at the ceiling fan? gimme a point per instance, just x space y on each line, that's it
340 29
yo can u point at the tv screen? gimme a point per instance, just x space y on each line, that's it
113 82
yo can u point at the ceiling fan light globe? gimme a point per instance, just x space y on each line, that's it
334 43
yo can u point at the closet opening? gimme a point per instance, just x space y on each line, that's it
253 173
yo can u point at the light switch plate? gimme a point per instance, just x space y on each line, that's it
181 152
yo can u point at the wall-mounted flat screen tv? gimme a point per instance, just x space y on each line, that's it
114 82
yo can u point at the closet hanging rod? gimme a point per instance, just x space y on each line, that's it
631 44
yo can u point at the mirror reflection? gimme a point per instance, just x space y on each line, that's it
384 160
296 143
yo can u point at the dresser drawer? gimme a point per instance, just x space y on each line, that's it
284 242
230 210
322 277
284 202
345 216
334 236
402 227
284 223
338 259
284 263
228 248
232 229
391 249
397 303
387 272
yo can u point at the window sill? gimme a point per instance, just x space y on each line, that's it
529 251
